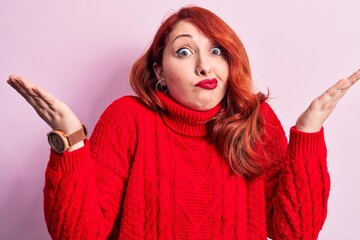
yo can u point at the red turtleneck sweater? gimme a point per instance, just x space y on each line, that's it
144 175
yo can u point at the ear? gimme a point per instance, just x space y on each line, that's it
158 71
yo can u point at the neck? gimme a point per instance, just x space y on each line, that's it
184 120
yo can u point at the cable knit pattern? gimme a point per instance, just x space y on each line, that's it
145 175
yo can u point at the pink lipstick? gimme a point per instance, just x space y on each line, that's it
207 83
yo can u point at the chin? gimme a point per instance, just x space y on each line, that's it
203 107
200 103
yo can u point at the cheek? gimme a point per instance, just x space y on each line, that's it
226 81
225 67
178 87
221 67
170 71
177 77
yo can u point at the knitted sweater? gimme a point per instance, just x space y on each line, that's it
145 175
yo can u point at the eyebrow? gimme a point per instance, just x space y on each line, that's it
182 35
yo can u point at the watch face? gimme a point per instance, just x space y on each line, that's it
56 142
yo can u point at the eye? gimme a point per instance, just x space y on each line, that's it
216 51
182 52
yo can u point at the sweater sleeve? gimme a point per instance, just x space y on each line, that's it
297 187
84 188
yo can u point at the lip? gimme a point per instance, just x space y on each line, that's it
207 83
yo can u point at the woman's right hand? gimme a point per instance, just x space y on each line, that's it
53 111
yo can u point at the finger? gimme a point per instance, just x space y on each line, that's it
344 84
45 110
26 88
13 81
21 85
12 78
337 88
19 81
29 91
341 87
354 77
46 98
330 97
36 97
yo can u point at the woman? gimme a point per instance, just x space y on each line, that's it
197 155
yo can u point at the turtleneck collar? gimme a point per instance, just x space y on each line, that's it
184 120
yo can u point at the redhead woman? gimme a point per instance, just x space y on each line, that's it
195 155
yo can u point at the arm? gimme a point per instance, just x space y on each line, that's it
54 112
83 187
83 192
321 107
297 189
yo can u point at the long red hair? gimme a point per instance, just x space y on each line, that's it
238 128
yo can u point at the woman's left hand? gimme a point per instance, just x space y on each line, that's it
321 107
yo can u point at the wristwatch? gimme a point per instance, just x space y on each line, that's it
60 141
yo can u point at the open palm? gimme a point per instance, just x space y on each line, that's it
53 111
321 107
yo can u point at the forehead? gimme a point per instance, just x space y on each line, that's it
184 27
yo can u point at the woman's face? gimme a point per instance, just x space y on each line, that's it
193 68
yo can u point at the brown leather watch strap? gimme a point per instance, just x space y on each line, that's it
77 136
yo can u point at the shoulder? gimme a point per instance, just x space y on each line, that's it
266 110
126 109
132 101
272 124
274 138
128 105
269 114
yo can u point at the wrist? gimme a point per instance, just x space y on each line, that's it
75 146
307 129
61 142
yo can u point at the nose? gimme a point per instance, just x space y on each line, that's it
203 67
201 71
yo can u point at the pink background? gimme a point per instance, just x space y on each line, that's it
82 51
